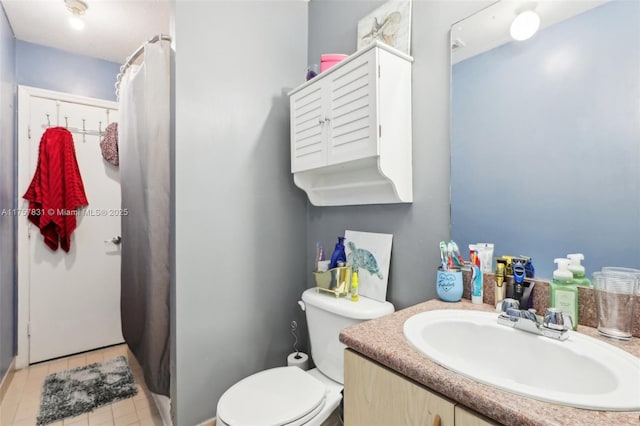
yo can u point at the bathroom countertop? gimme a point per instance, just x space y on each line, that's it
382 340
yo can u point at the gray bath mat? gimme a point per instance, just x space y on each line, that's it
73 392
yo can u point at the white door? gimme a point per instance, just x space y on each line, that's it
74 297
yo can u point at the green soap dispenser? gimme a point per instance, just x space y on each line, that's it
564 293
577 270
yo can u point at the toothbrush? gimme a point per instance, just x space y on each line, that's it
443 250
450 256
456 251
319 253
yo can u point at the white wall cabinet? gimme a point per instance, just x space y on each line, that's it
351 130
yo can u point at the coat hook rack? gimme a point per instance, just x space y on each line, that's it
83 130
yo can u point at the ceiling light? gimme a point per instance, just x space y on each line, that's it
77 9
525 25
76 23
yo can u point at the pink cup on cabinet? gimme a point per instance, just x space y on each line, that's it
330 59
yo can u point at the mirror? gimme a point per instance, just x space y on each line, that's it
545 133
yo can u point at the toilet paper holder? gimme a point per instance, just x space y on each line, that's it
297 358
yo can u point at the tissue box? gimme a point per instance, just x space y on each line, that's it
330 59
336 281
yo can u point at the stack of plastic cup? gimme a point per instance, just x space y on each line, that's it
615 292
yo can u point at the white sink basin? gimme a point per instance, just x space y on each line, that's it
580 372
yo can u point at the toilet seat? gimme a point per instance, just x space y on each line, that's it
275 397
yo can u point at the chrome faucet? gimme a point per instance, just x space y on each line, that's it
556 324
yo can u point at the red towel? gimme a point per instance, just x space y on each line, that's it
56 189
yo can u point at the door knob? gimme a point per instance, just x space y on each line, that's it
115 240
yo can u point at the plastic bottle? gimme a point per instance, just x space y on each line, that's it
354 286
577 270
338 254
564 293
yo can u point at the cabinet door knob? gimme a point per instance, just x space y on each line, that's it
436 420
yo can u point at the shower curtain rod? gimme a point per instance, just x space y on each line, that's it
131 59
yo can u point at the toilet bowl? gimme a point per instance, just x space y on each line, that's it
289 396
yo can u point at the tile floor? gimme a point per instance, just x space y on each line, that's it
22 401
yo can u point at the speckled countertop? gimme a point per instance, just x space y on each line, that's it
383 340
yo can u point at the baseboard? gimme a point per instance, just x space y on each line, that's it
163 404
6 380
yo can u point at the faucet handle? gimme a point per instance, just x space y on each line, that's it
555 319
509 303
513 313
568 320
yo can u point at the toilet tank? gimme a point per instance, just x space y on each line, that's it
327 315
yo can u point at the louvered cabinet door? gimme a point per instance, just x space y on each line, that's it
308 129
351 111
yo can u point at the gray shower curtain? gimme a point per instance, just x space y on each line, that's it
143 138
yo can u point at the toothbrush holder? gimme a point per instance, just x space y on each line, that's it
449 285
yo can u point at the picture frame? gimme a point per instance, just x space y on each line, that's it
370 254
390 24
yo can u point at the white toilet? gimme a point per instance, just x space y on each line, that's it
289 396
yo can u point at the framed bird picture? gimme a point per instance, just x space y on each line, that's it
390 23
370 255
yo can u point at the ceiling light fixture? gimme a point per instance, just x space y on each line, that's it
525 25
77 9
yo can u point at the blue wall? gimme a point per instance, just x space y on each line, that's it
55 69
7 183
546 143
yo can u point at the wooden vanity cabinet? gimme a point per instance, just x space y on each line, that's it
466 417
376 395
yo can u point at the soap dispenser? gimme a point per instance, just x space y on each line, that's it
564 293
577 270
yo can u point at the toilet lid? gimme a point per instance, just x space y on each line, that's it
272 397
